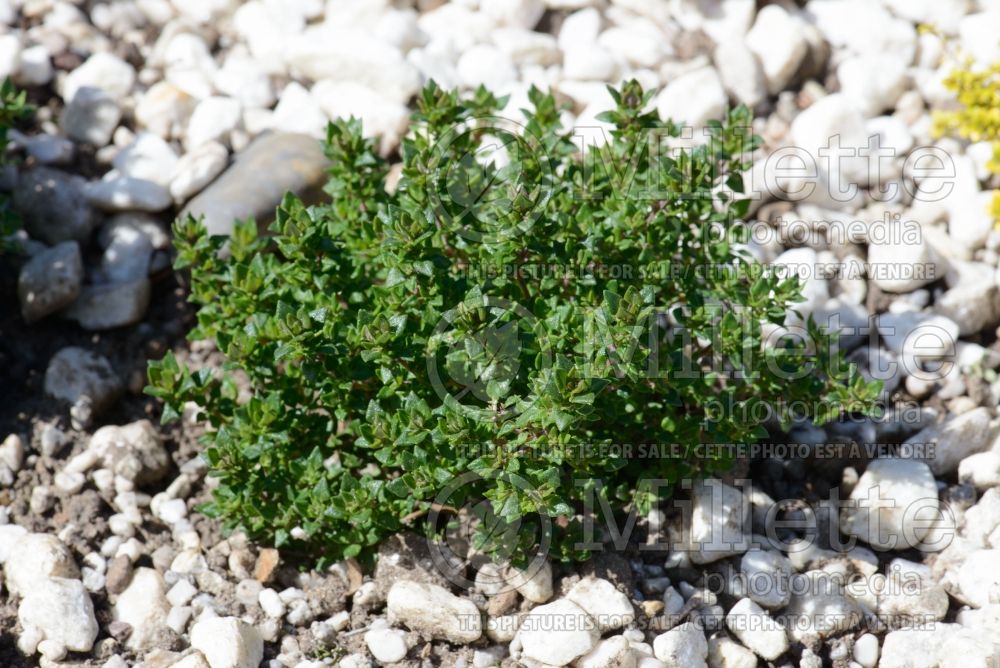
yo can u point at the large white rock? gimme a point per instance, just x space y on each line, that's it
197 169
955 439
246 80
684 645
720 522
944 16
213 119
911 597
133 451
979 577
900 259
164 109
188 64
859 26
892 505
148 157
267 30
352 55
102 70
144 606
726 653
866 650
610 608
819 607
228 642
380 116
399 28
386 644
757 630
829 125
557 633
11 456
977 35
938 644
580 29
777 40
525 47
640 43
589 63
10 55
517 13
972 300
615 652
981 469
533 583
35 66
36 557
298 111
693 98
804 264
740 72
456 27
948 186
722 20
124 193
486 65
768 577
434 611
91 116
60 608
873 83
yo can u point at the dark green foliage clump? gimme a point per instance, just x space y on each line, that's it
13 107
509 320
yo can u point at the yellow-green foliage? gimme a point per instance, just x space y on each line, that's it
978 118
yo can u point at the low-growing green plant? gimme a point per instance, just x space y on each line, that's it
486 331
13 107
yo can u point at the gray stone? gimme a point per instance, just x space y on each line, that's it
955 439
49 149
50 281
52 205
126 193
910 596
767 577
126 257
101 307
146 223
80 377
819 607
253 187
91 117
